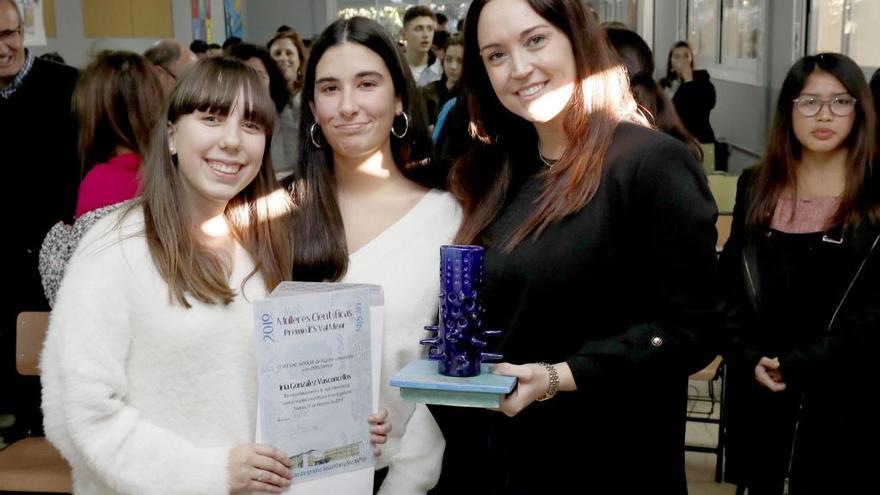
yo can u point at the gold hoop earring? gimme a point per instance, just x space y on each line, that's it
405 129
312 135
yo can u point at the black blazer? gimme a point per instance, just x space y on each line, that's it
826 374
625 292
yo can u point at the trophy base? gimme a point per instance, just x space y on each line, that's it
420 381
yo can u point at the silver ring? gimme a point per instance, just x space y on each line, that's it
260 476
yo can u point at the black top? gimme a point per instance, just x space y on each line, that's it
436 95
693 101
625 292
813 301
39 154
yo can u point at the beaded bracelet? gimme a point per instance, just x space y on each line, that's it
554 381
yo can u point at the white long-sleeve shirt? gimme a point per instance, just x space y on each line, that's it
142 396
405 261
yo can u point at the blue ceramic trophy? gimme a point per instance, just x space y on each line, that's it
456 373
460 336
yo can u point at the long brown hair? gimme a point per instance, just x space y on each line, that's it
778 170
257 216
321 252
301 53
115 101
601 99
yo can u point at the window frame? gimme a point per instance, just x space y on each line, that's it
753 72
812 38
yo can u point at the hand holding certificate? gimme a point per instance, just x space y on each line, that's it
318 346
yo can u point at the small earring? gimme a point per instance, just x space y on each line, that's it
172 150
405 129
312 135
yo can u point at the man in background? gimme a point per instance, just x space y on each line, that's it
170 59
419 23
42 173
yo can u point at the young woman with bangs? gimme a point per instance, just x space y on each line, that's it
600 264
802 271
149 374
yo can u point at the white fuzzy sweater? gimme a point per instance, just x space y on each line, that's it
405 260
139 395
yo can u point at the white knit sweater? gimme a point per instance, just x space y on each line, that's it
405 260
142 396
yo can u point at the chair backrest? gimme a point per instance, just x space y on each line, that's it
30 331
723 224
708 157
723 189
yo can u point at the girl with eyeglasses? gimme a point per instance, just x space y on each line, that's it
802 270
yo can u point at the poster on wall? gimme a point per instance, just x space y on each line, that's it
232 11
34 29
201 20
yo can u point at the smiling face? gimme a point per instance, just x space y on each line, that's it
354 102
824 131
11 44
217 156
529 61
285 54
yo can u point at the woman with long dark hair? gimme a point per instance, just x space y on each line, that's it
692 93
636 55
367 209
600 263
802 270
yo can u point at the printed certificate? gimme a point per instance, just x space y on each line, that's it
316 359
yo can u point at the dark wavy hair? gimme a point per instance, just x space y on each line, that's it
601 99
778 169
320 252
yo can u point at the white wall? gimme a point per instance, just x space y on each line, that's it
77 50
307 17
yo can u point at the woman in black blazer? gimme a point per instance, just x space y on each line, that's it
600 265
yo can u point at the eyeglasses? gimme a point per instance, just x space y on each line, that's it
168 71
10 35
810 106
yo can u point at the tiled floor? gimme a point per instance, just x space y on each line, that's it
700 468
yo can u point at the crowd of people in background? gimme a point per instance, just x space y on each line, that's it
214 172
